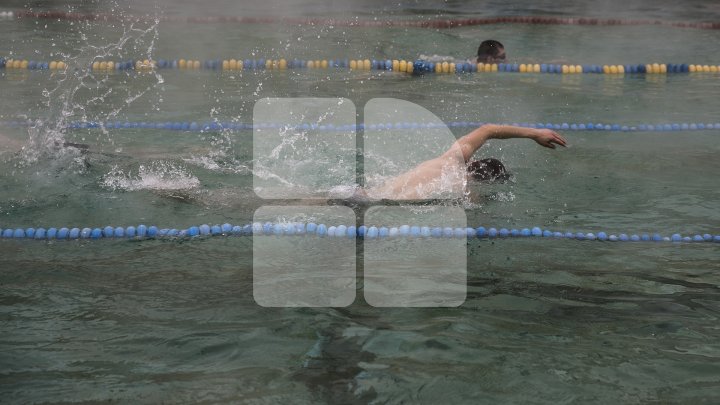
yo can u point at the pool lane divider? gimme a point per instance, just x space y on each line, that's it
337 231
417 67
435 23
192 126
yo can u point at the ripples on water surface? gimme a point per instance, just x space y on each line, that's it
543 322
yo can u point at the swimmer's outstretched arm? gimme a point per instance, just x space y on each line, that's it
471 142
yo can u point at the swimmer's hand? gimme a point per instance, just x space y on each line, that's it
548 138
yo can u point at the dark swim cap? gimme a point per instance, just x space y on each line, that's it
488 170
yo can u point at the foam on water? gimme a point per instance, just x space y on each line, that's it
221 157
211 162
159 175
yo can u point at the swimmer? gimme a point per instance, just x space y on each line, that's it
450 172
491 51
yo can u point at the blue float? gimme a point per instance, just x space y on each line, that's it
351 232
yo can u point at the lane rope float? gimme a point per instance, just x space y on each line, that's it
417 67
210 126
338 231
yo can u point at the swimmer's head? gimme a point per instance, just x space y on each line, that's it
488 170
491 51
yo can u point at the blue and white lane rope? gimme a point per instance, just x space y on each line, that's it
336 231
193 126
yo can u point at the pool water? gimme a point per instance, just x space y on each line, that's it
544 321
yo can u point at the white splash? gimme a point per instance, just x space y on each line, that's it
157 176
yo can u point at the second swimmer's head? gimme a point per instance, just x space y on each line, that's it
491 51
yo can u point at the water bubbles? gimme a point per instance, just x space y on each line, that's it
258 89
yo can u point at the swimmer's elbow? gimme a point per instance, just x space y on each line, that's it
473 141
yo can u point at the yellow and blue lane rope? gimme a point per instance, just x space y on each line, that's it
394 65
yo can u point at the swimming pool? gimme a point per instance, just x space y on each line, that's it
544 320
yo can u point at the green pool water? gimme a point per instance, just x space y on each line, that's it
544 321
